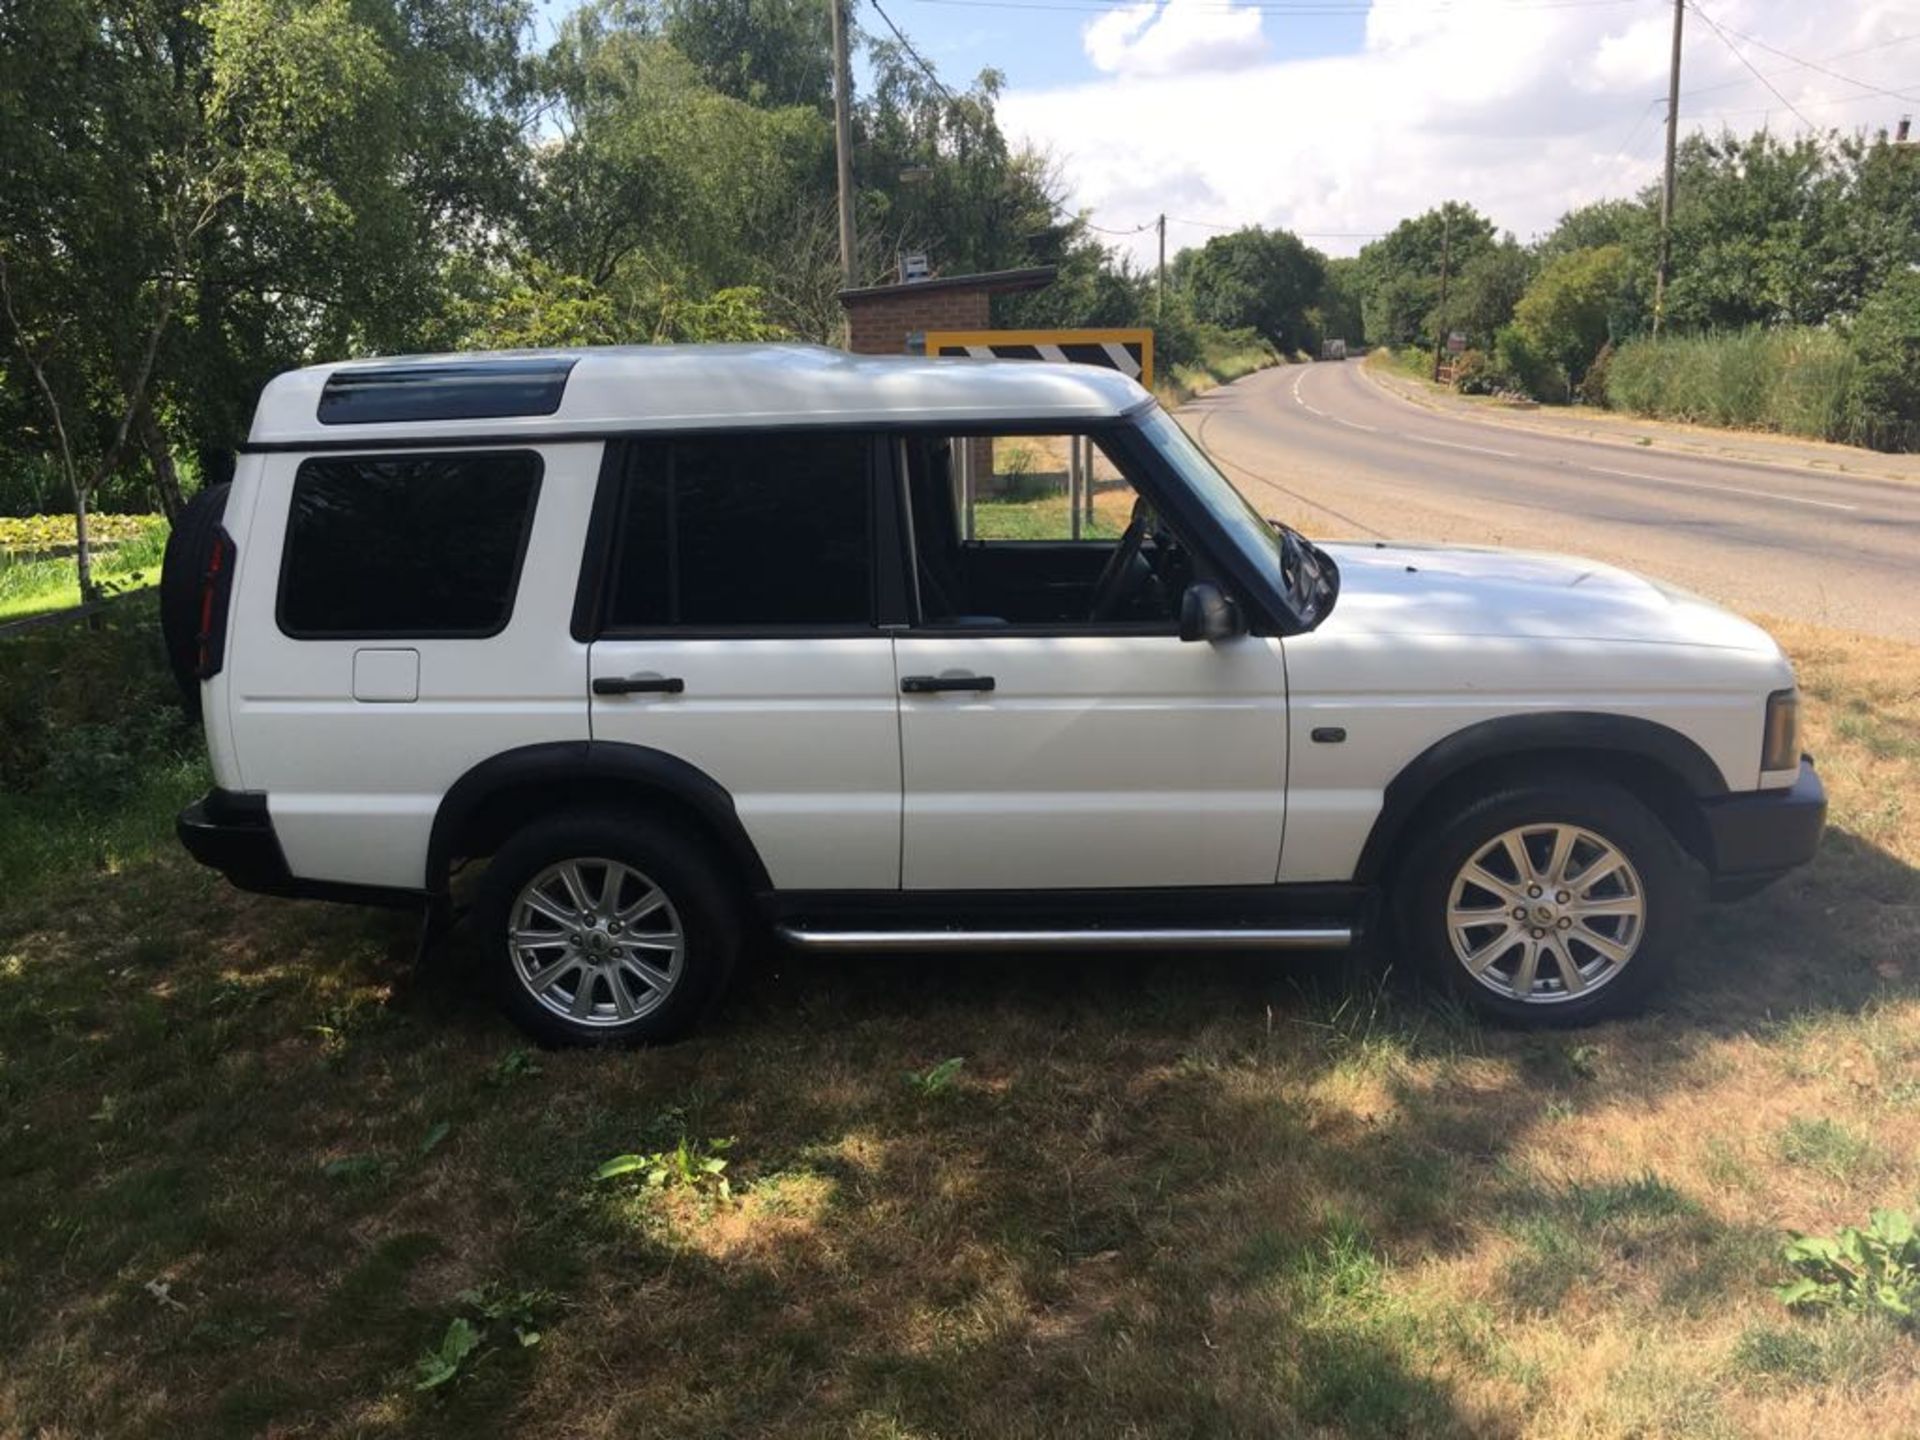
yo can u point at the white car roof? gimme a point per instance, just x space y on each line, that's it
599 389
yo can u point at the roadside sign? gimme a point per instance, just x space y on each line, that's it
1128 351
1456 341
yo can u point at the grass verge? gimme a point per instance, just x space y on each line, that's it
257 1175
35 587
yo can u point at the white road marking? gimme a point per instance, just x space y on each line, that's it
1725 489
1456 445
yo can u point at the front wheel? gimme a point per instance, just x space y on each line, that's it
606 929
1548 903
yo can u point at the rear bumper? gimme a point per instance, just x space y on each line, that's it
1760 835
231 831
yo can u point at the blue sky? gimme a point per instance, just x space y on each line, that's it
1338 118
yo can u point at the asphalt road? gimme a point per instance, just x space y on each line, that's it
1326 449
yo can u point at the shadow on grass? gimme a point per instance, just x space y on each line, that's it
1161 1195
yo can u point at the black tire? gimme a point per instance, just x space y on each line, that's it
699 901
1657 876
181 571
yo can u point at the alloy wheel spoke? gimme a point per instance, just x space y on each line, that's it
622 1000
541 939
1485 879
1610 948
582 1006
540 905
1473 916
1515 846
1528 969
1569 968
1609 863
1564 837
646 974
1484 955
1613 907
648 904
576 884
555 972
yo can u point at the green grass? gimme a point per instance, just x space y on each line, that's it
1044 519
1796 381
1178 1196
33 587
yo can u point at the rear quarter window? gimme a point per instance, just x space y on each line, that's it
406 546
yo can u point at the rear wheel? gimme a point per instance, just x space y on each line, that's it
1548 903
606 929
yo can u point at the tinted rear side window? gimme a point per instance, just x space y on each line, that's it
406 545
745 531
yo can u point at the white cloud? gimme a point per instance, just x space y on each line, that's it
1174 37
1523 109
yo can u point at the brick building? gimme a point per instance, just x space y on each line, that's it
890 319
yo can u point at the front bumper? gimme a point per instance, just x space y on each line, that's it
1760 835
231 831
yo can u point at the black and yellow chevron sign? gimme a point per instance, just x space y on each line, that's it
1128 351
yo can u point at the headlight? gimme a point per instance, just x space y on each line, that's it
1780 750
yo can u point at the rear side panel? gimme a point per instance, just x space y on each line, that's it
354 772
216 692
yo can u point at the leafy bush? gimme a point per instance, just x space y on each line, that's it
1593 384
1871 1270
1883 408
1519 357
1474 373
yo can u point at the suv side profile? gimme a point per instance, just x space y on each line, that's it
687 641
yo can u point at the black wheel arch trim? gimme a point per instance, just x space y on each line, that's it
595 761
1509 737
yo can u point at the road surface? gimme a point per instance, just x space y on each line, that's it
1326 449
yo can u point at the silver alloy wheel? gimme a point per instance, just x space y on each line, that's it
1546 913
596 942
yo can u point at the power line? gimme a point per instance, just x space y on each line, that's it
1813 64
1837 55
907 45
1740 55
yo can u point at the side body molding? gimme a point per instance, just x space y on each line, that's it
585 771
1515 737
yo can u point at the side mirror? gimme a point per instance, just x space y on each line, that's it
1208 613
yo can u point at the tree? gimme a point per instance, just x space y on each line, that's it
770 53
1490 285
1566 314
1256 279
1399 274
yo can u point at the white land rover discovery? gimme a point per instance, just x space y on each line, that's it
687 641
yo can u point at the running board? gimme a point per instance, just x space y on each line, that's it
1328 937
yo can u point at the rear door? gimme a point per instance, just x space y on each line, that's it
736 630
395 622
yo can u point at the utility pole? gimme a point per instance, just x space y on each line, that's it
1440 316
1160 286
843 138
1666 185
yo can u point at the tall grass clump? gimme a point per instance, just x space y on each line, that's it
1794 380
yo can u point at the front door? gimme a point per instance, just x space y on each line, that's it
738 634
1055 731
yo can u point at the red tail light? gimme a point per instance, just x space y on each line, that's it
216 586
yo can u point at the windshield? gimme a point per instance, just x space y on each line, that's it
1304 572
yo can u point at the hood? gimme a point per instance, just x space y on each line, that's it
1409 589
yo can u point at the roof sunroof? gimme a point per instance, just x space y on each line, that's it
454 390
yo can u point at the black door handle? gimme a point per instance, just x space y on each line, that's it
639 685
929 684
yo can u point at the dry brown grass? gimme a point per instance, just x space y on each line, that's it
1166 1197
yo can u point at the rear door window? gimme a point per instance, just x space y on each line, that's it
745 532
406 546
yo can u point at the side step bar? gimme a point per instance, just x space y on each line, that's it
1325 937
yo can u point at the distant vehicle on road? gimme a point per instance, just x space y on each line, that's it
683 641
1333 349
